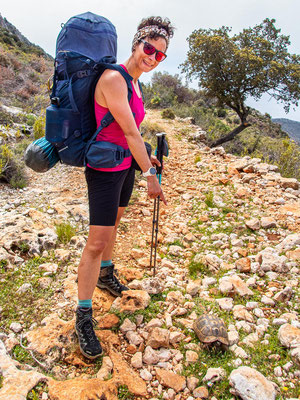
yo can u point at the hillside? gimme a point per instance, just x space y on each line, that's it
24 70
289 126
229 245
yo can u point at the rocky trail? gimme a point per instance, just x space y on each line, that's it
229 245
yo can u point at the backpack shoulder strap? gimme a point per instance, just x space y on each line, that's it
141 89
126 76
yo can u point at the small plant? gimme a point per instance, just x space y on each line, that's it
196 268
65 231
21 354
36 392
124 394
209 200
23 247
168 114
39 126
197 159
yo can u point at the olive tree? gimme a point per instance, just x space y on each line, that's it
251 63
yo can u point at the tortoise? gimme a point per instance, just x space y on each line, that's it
211 331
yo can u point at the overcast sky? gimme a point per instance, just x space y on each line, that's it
40 22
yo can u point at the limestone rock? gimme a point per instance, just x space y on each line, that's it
106 368
127 326
134 338
171 380
253 224
270 260
201 392
137 360
150 356
49 267
214 375
192 383
284 295
234 283
191 357
154 323
158 338
243 264
250 384
240 312
175 297
289 336
108 321
150 285
54 333
16 382
226 303
193 287
131 301
268 222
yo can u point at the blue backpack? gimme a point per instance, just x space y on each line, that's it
86 47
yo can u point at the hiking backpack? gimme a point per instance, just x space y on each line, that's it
85 48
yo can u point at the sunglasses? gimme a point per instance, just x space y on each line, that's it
149 50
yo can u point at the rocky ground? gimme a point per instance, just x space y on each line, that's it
229 245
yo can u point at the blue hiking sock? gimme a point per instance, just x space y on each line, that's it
85 303
106 263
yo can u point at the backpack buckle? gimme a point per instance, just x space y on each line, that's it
118 155
82 74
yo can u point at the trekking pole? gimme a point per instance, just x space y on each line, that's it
161 150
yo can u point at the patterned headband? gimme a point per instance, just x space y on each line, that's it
144 32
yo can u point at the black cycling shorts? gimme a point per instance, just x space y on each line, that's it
107 191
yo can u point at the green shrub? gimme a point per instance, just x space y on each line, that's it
221 113
65 231
155 101
30 120
39 126
168 114
12 168
149 130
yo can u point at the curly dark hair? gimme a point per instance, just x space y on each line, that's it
161 23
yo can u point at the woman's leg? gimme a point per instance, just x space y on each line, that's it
108 252
89 267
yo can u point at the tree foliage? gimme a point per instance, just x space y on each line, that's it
167 90
251 63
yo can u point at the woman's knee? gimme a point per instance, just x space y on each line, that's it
96 246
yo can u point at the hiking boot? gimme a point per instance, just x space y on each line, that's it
84 327
108 280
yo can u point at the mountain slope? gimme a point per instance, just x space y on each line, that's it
289 126
24 70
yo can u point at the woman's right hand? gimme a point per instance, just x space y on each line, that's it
154 189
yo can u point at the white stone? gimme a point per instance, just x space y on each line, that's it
146 375
134 338
233 337
226 303
16 327
238 351
250 384
137 360
214 375
127 326
150 356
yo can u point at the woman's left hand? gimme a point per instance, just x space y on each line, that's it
154 161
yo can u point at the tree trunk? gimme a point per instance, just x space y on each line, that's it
230 135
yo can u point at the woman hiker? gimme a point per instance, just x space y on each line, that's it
109 189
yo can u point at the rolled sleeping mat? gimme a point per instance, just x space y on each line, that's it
41 155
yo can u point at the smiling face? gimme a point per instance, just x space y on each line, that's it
148 62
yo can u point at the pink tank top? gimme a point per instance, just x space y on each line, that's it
113 133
